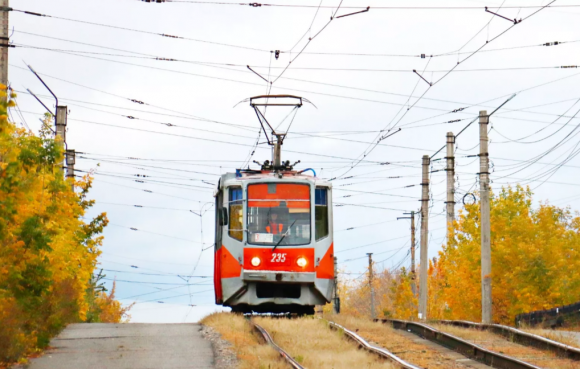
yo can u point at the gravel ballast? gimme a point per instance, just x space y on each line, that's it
224 354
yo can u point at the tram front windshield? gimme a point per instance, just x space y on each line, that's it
278 214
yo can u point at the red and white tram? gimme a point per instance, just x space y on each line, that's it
273 239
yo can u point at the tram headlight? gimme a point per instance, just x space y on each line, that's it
301 262
256 261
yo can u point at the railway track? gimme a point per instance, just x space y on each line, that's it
361 342
462 346
373 349
521 337
472 351
268 339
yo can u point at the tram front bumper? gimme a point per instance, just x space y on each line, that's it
275 287
282 277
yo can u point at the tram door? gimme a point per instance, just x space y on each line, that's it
220 221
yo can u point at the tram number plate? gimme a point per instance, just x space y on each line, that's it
278 257
263 237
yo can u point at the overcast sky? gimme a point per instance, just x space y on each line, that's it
358 74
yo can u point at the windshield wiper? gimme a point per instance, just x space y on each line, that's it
282 238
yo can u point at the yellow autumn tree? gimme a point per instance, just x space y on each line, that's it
354 295
535 260
103 308
47 252
404 303
437 307
392 290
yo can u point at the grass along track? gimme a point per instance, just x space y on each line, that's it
310 341
554 335
500 344
266 336
546 340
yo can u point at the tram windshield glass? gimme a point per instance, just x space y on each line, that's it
279 213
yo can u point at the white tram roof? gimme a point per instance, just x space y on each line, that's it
228 179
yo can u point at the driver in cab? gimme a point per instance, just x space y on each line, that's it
274 226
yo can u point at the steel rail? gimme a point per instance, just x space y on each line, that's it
521 337
374 349
266 336
467 349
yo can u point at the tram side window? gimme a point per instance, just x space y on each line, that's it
236 225
321 212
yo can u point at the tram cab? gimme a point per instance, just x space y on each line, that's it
273 241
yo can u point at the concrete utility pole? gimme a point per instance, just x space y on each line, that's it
485 226
4 41
450 203
424 238
70 158
61 120
336 300
373 315
413 275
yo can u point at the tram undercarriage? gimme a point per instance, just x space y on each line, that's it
274 309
